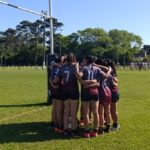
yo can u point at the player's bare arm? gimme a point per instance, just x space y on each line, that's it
105 69
91 85
53 85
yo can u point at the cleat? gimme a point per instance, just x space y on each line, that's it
115 128
106 130
66 133
59 130
86 134
93 134
101 130
56 129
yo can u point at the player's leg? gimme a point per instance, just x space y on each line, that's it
101 118
59 113
66 116
54 119
73 114
114 111
86 107
85 98
90 113
114 115
95 107
81 115
108 117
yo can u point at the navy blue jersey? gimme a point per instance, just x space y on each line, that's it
91 72
55 93
68 78
54 71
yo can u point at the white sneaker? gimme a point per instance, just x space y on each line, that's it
115 128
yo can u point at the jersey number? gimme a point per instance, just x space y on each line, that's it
90 75
56 72
67 75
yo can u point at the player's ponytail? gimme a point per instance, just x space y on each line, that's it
71 58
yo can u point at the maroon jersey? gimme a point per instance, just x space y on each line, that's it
68 78
91 72
111 85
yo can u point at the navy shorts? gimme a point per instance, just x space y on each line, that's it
55 93
73 95
86 97
115 97
58 97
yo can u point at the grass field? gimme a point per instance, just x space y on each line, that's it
24 117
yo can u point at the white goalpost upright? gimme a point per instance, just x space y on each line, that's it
51 26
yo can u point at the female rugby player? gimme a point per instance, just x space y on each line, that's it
113 85
55 89
68 75
90 75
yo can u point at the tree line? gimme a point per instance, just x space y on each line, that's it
29 43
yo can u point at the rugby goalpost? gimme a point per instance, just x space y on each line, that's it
51 56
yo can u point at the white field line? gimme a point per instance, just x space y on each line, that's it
22 114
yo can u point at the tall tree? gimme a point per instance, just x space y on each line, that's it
124 42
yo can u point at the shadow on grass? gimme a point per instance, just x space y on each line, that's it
29 132
24 105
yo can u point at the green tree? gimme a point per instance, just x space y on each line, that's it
124 43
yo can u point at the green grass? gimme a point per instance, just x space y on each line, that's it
22 91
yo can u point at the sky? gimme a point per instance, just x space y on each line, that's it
130 15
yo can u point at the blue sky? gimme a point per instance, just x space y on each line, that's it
130 15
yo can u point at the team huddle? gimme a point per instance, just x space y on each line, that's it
94 82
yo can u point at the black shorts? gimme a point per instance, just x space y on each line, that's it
86 97
115 97
56 96
73 95
55 93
